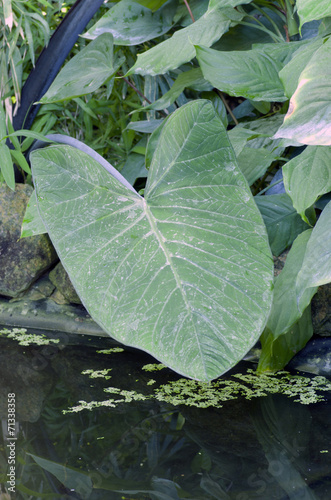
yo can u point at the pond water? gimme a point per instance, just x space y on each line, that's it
152 435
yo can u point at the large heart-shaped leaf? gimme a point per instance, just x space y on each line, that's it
184 273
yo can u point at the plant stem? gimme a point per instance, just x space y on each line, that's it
218 92
229 110
189 10
141 94
261 27
271 21
270 186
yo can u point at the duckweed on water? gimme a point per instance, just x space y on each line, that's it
111 351
26 339
203 395
153 367
98 373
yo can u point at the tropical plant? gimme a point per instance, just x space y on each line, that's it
230 90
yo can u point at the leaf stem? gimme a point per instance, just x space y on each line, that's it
141 94
189 10
261 27
277 30
270 186
229 110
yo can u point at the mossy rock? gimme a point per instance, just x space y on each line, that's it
22 261
61 280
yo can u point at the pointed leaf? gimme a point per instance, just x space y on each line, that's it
308 176
316 265
152 4
179 49
185 79
32 222
277 352
68 476
286 310
290 74
254 162
85 72
184 273
3 127
6 166
310 10
132 24
309 116
248 73
289 326
282 221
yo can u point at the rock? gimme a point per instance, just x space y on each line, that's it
41 289
22 261
61 280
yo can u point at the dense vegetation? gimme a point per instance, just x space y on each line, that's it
224 106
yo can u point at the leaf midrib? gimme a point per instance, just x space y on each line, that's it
166 252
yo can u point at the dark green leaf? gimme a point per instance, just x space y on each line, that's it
282 221
73 479
254 162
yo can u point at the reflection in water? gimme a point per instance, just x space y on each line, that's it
264 448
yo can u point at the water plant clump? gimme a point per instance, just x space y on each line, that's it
25 339
204 395
153 367
98 373
111 350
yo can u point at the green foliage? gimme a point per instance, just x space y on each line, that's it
260 79
85 72
169 254
132 24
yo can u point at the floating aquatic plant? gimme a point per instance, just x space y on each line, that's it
204 395
26 339
111 351
98 373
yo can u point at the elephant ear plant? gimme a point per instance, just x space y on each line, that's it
184 272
